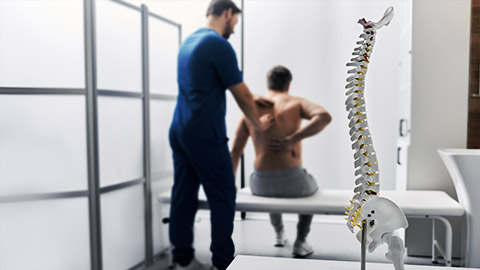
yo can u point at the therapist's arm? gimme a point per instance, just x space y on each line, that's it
239 142
246 102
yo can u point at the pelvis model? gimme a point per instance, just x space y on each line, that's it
379 216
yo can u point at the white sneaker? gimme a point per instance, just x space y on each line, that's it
195 265
280 239
302 249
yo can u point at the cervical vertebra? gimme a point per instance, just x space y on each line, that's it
380 215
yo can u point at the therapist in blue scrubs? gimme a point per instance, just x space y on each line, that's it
207 66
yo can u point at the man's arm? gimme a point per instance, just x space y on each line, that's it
246 102
318 118
239 142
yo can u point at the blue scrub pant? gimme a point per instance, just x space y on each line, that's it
206 162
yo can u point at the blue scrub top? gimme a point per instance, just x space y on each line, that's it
207 66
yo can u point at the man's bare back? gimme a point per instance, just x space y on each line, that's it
279 147
287 113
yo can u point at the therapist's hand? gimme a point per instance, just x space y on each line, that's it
246 101
263 102
266 121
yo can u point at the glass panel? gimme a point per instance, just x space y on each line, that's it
119 47
41 44
42 144
163 50
121 139
160 211
123 228
45 235
161 114
189 13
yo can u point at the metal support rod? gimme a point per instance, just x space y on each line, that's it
243 215
434 255
42 196
92 137
447 252
146 139
161 18
41 91
179 36
117 93
242 39
363 262
126 4
242 171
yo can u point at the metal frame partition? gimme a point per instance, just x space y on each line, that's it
146 96
91 93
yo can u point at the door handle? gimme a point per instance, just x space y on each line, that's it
398 155
400 128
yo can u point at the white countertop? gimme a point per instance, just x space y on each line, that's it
243 262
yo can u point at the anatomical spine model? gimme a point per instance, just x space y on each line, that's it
379 216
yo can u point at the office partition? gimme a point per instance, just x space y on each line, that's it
83 139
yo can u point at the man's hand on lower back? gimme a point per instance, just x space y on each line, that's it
282 145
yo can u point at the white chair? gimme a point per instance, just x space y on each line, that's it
464 168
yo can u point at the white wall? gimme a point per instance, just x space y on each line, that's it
315 39
441 38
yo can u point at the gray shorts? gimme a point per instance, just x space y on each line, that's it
294 182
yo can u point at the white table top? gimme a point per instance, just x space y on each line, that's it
412 202
242 262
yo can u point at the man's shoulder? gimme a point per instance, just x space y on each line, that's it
300 99
204 42
205 36
211 37
291 99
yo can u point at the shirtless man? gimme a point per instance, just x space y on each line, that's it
278 163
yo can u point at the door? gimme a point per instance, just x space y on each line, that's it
404 93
